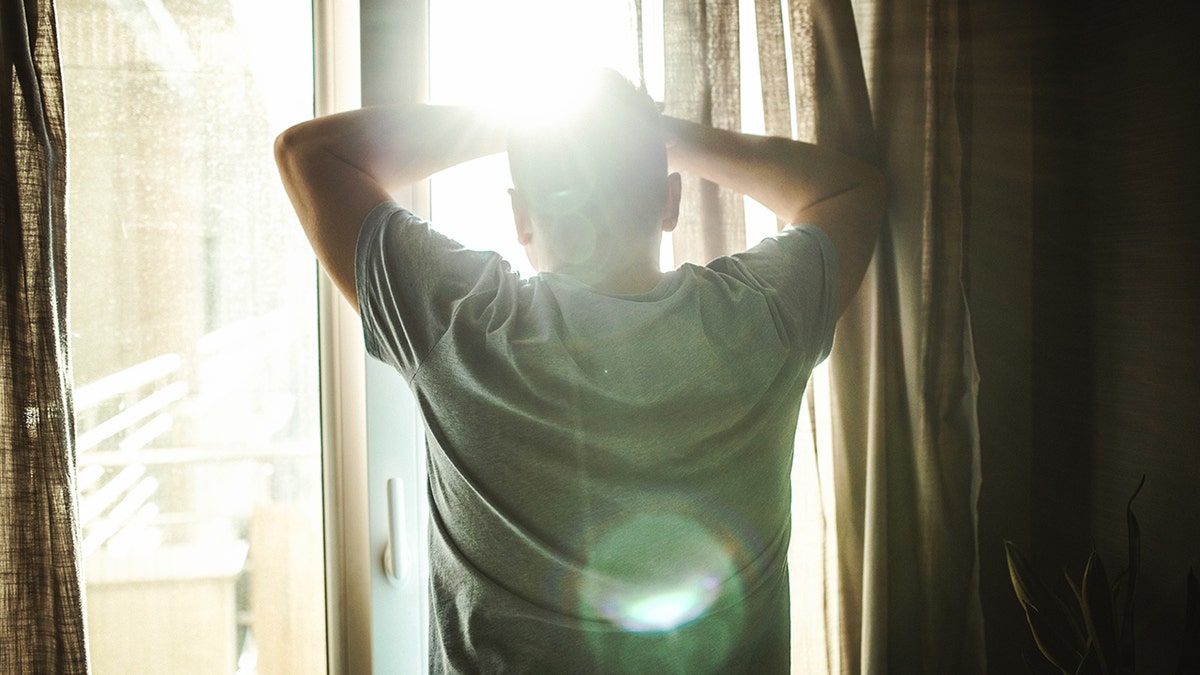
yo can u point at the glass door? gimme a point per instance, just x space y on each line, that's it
194 337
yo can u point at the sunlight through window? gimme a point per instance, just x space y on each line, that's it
193 337
488 54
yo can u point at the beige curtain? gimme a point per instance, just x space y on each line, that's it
903 375
41 602
878 79
700 51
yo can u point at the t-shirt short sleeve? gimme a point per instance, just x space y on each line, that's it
410 279
799 267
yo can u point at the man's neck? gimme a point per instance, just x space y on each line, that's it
626 281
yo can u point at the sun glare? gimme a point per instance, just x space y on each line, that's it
522 59
540 96
529 48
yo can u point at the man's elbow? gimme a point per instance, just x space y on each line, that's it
874 190
282 147
301 163
871 195
874 194
856 244
288 147
299 173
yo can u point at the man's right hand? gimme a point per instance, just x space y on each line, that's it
800 182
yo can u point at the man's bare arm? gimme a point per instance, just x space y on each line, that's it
800 182
337 168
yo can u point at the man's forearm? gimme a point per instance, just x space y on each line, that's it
337 168
400 145
800 182
784 175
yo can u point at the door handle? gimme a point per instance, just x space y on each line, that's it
395 554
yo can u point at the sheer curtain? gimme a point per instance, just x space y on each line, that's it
878 79
700 54
41 604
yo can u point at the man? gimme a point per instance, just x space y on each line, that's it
609 446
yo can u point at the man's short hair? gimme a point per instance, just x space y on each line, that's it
604 159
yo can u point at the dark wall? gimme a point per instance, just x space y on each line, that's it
1133 75
999 285
1085 290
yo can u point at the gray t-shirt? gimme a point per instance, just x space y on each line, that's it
609 475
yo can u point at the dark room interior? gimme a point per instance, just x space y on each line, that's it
1084 285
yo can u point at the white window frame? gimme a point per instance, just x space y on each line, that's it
343 393
370 427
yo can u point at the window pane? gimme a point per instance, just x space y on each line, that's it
194 347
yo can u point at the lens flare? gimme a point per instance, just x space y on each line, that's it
663 609
668 586
655 573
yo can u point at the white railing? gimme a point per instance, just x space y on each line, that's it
137 427
131 407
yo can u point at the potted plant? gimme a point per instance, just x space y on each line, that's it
1088 627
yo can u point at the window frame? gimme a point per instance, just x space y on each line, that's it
342 378
370 426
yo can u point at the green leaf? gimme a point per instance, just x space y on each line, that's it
1088 665
1074 613
1189 657
1135 562
1098 615
1025 583
1048 624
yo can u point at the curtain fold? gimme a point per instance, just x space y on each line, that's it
702 61
41 601
903 377
878 80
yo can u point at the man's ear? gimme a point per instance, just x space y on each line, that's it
671 208
521 219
